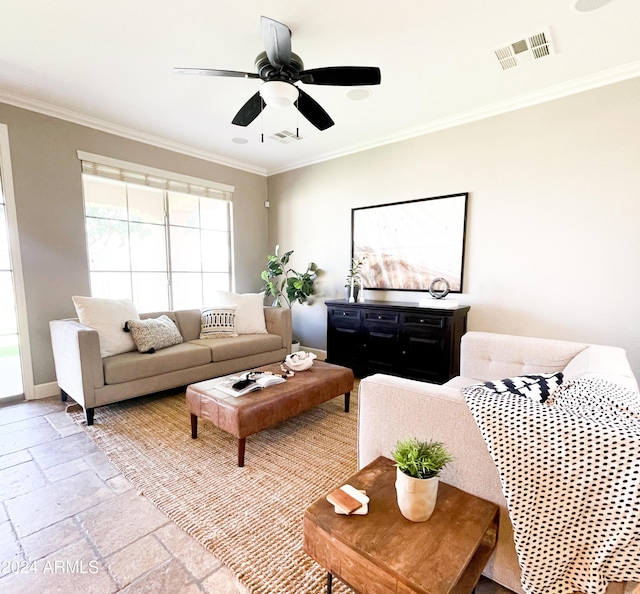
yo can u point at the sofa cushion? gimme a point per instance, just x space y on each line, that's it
604 362
107 317
188 322
132 366
153 334
224 349
488 356
218 322
249 310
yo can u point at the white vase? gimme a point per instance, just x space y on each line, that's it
416 497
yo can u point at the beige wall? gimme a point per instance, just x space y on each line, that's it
553 235
48 195
553 247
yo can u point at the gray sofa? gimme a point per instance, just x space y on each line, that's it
93 381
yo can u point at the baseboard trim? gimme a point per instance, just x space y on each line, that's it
45 391
320 354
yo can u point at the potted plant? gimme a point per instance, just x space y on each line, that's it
284 284
418 466
354 282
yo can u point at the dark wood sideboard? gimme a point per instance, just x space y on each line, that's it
396 338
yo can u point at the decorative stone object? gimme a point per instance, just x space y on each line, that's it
299 361
439 288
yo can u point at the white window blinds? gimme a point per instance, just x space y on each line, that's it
156 178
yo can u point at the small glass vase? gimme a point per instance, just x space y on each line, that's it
348 296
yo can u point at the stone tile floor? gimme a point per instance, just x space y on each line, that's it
70 522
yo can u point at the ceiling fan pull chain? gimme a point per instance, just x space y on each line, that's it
261 121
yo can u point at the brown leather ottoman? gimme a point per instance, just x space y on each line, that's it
248 414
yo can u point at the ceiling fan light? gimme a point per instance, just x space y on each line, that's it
277 93
588 5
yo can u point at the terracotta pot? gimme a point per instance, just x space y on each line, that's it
416 497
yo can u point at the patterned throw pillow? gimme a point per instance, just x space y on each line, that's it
153 333
537 387
218 322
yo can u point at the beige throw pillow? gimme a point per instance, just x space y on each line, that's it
107 317
249 310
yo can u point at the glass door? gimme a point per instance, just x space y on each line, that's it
11 379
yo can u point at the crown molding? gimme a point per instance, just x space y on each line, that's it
124 132
579 85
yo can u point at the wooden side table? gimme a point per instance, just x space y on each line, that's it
384 553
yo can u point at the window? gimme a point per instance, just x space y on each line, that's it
164 243
15 360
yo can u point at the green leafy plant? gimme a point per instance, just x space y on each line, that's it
286 284
354 273
421 459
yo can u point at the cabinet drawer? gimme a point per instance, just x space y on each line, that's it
344 314
425 321
382 317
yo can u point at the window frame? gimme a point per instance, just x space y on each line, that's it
26 362
170 184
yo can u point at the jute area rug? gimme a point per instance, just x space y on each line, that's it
250 518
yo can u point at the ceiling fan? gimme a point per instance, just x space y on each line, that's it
281 69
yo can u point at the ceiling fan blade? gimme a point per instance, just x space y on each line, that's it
348 76
312 110
277 42
249 111
213 72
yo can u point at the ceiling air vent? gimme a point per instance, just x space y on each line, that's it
285 137
533 47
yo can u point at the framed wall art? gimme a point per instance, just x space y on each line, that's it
404 246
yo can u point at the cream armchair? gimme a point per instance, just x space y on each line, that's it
392 408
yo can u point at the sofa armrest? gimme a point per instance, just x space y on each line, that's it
78 364
278 321
392 408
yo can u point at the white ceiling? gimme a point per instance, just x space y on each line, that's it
109 64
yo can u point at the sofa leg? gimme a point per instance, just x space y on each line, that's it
63 396
88 413
347 401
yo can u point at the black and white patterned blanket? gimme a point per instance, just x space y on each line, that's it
570 472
